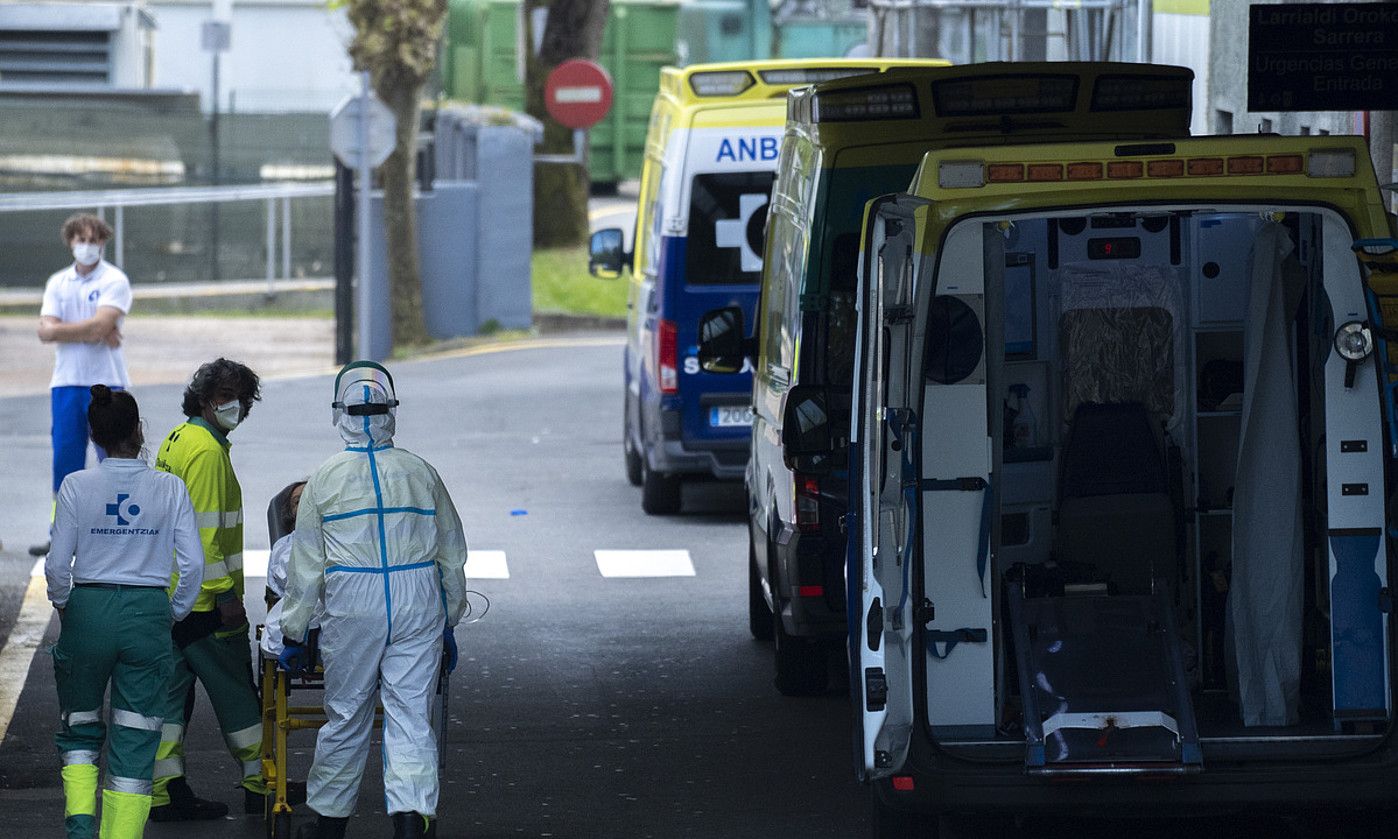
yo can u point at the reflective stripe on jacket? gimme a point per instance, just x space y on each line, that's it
197 453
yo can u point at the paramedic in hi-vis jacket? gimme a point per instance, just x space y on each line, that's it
379 540
212 645
118 529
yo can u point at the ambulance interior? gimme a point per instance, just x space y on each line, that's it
1163 578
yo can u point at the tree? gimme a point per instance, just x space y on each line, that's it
397 42
574 30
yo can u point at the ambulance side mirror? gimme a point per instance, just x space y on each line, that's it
807 442
723 345
605 254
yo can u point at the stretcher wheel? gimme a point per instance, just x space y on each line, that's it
280 826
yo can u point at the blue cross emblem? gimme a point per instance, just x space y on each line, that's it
116 509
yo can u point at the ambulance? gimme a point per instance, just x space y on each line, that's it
711 152
843 145
1122 443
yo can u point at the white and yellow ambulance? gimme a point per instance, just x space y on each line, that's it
711 154
1122 444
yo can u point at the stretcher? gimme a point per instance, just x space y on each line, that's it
280 717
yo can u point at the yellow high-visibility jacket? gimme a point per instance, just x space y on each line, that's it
197 453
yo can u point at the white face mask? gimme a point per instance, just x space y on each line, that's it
87 253
228 414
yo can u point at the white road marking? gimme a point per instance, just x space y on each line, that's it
255 563
486 565
644 563
25 638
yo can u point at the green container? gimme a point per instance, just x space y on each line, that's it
748 30
725 30
482 63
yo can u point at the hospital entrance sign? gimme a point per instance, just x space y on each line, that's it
1323 57
578 93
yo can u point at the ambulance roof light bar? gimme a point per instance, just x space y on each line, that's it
721 82
1318 163
811 75
893 101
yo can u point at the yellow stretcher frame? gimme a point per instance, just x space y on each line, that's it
280 718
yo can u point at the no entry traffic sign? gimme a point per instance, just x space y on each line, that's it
578 93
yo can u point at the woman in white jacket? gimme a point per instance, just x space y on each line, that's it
120 530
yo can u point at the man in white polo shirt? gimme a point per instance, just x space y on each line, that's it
82 313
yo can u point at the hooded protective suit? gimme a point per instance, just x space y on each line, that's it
384 548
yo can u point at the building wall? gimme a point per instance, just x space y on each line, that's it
1228 84
124 24
1180 36
285 55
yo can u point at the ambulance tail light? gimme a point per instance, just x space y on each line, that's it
1331 163
667 358
807 503
894 101
721 82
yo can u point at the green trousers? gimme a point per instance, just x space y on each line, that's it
117 635
222 662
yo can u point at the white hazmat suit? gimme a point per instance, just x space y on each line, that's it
379 541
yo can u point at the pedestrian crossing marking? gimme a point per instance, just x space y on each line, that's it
486 565
255 563
644 563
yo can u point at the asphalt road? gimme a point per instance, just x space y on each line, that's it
585 705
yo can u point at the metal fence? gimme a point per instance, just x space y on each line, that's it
276 199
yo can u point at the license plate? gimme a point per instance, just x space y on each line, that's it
730 416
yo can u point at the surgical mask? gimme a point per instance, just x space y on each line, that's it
228 415
87 253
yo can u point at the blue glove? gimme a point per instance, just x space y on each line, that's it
294 658
449 646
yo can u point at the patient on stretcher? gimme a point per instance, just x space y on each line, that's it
271 641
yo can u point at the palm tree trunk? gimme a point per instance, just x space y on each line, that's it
400 212
574 30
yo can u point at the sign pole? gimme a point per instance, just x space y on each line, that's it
363 254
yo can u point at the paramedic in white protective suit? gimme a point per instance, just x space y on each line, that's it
377 537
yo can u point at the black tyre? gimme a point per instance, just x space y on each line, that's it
759 615
801 662
628 449
660 493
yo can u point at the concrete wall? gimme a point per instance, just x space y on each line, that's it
1228 84
285 56
1180 35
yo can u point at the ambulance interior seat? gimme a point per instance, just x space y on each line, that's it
1117 346
1115 512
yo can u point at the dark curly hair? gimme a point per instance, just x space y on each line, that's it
217 375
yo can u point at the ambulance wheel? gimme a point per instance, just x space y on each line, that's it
633 457
759 616
660 494
801 662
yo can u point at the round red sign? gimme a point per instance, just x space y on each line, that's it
578 93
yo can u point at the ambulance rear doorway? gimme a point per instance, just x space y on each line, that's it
1184 522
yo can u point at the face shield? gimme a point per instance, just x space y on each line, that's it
365 407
